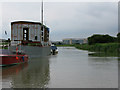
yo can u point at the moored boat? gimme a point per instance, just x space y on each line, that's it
54 49
11 59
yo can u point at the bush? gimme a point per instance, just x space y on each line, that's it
106 47
97 38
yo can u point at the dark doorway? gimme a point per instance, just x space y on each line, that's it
25 33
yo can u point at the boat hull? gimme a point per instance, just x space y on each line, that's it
6 60
33 51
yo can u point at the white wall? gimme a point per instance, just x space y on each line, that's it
34 30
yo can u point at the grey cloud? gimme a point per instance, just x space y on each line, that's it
67 19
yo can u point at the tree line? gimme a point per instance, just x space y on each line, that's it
98 38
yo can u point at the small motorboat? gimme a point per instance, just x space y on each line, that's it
54 49
9 58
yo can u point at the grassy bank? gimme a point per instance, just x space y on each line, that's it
105 48
66 45
3 45
4 48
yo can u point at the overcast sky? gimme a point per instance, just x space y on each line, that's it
65 19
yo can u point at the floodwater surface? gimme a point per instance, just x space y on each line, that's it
70 68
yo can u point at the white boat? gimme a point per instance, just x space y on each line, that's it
54 49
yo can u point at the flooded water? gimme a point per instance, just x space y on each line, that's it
70 68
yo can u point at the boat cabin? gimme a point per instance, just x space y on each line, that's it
29 32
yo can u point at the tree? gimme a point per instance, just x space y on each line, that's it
118 37
97 38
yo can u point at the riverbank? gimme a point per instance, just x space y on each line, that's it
105 47
111 48
108 49
66 45
4 45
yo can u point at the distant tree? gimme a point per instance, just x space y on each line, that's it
97 38
118 37
59 43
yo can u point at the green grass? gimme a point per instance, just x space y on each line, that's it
4 48
34 44
4 43
66 45
106 47
111 48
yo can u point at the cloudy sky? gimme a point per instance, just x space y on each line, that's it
65 19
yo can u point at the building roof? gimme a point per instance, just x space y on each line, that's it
24 22
27 22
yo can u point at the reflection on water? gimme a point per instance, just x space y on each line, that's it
35 74
73 68
103 54
70 68
8 71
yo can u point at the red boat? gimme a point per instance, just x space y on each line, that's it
11 59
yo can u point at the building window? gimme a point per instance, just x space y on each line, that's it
42 38
25 34
41 28
42 33
35 37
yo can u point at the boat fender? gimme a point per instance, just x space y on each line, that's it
16 58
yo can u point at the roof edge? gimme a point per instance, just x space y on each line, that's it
29 22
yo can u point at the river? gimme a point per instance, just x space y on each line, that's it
70 68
